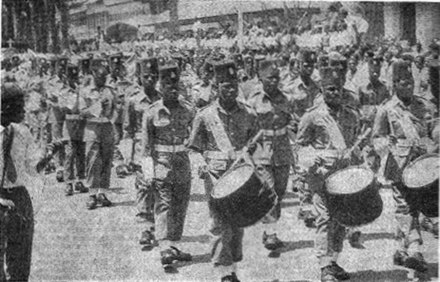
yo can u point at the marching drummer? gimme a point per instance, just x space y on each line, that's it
274 155
219 132
397 129
330 127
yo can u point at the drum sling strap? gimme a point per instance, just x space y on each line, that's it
219 133
6 154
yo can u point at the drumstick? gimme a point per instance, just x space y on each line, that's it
244 154
358 142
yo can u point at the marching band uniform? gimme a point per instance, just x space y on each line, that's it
397 128
219 134
329 131
273 157
165 126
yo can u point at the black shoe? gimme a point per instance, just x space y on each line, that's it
339 272
354 238
428 226
271 242
92 203
400 257
416 262
173 254
69 189
328 274
144 217
122 171
79 187
147 239
102 199
60 176
230 278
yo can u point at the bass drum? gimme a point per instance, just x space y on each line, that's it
353 196
421 178
241 198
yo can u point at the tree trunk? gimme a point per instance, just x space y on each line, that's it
44 27
174 17
34 24
53 28
63 7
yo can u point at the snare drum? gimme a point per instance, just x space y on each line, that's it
240 197
421 177
353 196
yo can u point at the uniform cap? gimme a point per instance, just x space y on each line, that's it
225 71
306 56
267 68
98 64
11 91
72 71
401 70
147 66
169 70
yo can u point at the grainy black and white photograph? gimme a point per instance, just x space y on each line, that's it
219 140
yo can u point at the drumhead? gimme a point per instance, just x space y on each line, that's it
232 180
349 180
422 171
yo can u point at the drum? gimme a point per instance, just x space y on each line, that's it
353 196
421 177
240 197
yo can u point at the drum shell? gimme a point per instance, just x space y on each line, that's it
427 196
247 204
358 208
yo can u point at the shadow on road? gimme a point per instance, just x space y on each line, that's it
291 246
432 271
204 239
204 258
198 197
397 275
124 204
377 236
285 204
117 190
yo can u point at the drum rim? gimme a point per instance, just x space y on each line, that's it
412 163
227 173
347 168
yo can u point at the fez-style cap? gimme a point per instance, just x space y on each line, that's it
98 63
375 61
225 71
306 56
116 58
208 67
90 55
169 70
147 66
332 69
401 70
11 91
267 68
238 59
72 71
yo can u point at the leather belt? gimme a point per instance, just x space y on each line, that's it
276 132
218 155
73 117
98 120
170 148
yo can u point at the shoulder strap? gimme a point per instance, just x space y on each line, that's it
5 154
219 132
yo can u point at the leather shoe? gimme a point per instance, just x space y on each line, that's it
147 239
79 187
169 256
428 226
92 203
271 242
230 278
416 262
60 176
69 189
103 201
328 275
339 272
354 238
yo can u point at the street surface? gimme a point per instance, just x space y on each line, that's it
73 243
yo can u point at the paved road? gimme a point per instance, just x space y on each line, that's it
73 243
